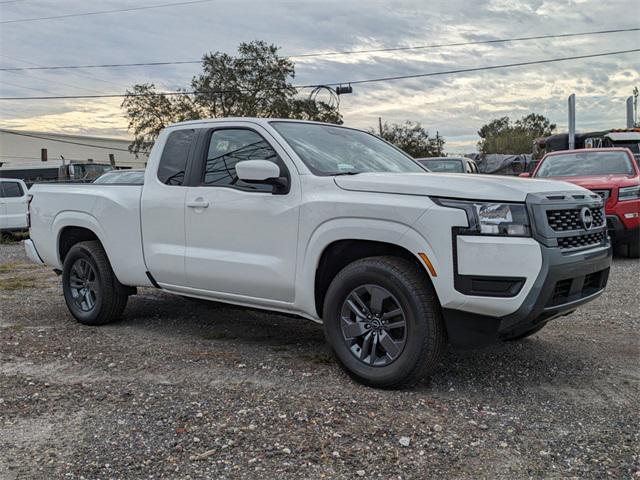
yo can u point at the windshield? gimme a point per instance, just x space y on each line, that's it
585 163
331 150
443 165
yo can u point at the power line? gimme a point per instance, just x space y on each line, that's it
345 52
491 67
101 12
22 134
461 44
352 82
30 76
72 73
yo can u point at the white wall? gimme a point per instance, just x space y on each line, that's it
19 148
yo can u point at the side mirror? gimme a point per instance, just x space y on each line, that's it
262 171
525 174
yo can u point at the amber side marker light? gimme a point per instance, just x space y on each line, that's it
427 262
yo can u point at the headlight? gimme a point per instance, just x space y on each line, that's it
492 218
629 193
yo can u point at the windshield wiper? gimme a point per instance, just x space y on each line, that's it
352 172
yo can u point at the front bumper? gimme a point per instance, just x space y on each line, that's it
565 282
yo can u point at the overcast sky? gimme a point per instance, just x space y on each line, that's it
456 106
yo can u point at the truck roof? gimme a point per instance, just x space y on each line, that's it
258 120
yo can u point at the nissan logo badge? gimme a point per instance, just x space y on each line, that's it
586 217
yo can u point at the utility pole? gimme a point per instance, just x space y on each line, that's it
572 121
380 125
630 113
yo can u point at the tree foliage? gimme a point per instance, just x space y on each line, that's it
503 136
255 83
412 138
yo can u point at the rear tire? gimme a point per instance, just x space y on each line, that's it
633 250
383 320
92 292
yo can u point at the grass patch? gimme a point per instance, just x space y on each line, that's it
9 238
17 283
8 267
14 266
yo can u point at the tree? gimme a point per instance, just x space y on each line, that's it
256 83
412 138
503 136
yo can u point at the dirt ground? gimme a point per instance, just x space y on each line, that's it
183 390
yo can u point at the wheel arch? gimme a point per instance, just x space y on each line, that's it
341 253
375 236
73 227
71 235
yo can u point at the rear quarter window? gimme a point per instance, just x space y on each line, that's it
173 163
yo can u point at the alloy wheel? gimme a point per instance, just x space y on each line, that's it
83 284
374 326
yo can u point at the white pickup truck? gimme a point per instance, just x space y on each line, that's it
334 225
13 205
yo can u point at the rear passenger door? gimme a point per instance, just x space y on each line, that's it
162 209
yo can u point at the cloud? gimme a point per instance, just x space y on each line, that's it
456 106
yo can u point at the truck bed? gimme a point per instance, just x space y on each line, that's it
111 211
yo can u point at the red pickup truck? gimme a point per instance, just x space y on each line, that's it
614 174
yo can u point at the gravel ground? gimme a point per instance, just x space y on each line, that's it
181 389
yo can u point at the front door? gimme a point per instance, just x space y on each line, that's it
241 238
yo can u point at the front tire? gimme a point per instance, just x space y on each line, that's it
383 320
92 292
633 250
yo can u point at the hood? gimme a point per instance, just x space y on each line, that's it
453 185
600 182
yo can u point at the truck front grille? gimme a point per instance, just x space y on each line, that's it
570 219
581 241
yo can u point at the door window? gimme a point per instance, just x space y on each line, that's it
11 189
173 163
229 146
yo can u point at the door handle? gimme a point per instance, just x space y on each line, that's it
198 204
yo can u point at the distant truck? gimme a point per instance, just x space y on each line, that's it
70 172
613 174
620 138
334 225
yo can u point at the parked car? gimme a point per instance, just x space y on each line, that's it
13 205
613 174
449 164
122 177
331 224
